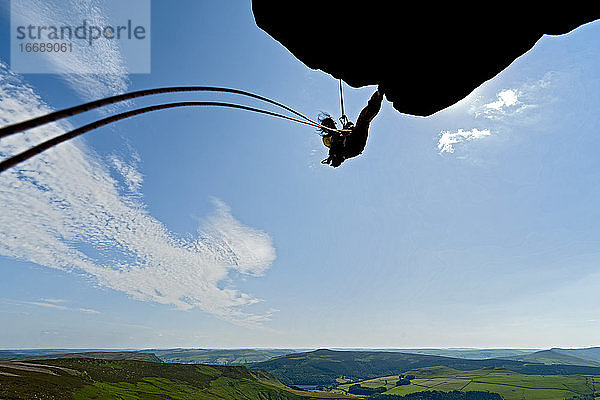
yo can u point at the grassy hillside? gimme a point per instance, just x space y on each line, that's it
322 367
470 354
554 357
78 379
20 353
510 385
101 355
215 356
590 353
184 356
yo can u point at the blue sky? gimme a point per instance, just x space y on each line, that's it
475 227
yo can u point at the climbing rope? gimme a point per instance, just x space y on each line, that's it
60 114
18 158
343 119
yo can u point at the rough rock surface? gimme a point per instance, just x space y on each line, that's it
428 56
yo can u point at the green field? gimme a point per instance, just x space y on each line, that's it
81 379
510 385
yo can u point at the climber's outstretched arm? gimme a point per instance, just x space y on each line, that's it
370 111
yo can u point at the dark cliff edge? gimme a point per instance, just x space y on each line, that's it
427 56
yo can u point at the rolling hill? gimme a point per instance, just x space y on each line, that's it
218 356
183 356
470 354
86 378
553 356
322 367
20 353
590 353
100 355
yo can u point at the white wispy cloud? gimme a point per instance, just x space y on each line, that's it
88 311
131 175
63 209
516 103
96 71
47 305
56 304
448 139
506 98
55 301
511 106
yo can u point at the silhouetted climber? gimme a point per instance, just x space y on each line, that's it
351 142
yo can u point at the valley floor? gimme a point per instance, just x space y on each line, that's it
510 385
